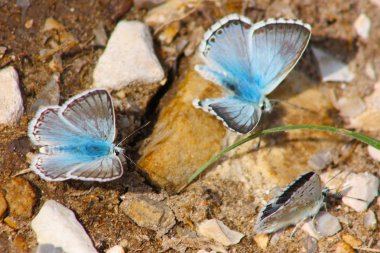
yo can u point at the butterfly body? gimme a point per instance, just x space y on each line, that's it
301 199
76 139
249 61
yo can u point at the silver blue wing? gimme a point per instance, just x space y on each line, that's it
225 51
275 48
48 129
235 114
64 166
301 199
92 112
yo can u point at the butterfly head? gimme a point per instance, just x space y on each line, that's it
117 151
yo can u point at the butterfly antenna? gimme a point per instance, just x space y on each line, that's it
135 131
277 101
129 159
337 174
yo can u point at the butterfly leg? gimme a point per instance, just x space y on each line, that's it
299 224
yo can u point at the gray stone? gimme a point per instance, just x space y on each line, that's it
148 212
57 226
11 104
128 59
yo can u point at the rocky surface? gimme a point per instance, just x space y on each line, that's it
239 184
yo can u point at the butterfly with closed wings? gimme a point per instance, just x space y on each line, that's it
76 139
249 61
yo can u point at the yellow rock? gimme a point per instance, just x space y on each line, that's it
351 240
3 204
343 247
20 196
183 138
11 222
262 240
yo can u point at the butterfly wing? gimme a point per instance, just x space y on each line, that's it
48 129
234 113
225 50
301 199
275 48
92 112
64 166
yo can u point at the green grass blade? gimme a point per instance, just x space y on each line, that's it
360 137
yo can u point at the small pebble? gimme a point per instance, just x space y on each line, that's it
374 153
350 107
49 94
115 249
351 240
100 35
21 244
20 196
129 58
148 213
370 71
362 26
376 2
343 247
29 24
3 204
373 100
55 63
331 68
326 225
56 225
262 240
11 103
311 245
320 160
2 51
11 222
216 230
48 248
361 190
370 221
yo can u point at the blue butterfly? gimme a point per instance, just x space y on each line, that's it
249 61
76 139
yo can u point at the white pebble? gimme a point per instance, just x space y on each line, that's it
362 26
115 249
374 153
216 230
370 71
326 225
362 189
128 59
350 106
369 220
56 225
11 104
331 68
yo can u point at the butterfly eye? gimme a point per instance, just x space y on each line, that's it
117 152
